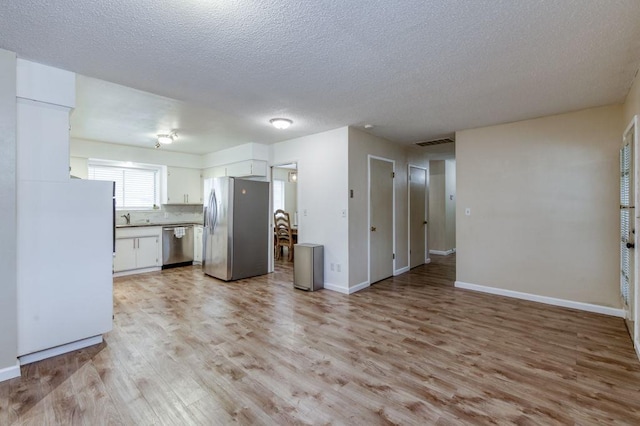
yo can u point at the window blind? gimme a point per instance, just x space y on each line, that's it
136 188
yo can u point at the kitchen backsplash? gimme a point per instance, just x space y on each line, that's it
165 214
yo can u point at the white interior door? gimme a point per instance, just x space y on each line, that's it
417 216
381 256
627 228
630 138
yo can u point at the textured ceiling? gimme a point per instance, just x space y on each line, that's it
415 69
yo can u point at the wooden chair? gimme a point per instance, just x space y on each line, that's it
283 235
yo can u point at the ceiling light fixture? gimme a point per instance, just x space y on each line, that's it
281 123
167 139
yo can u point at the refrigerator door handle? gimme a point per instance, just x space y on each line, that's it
214 212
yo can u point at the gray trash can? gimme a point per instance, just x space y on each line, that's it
308 267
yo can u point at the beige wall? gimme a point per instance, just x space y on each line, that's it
450 204
442 205
632 103
8 236
361 145
437 219
543 196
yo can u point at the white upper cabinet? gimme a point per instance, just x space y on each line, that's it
246 168
182 186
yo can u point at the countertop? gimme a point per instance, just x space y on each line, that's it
138 225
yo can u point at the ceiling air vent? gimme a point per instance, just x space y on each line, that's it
435 142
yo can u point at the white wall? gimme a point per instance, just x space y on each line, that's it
543 196
8 219
322 195
83 148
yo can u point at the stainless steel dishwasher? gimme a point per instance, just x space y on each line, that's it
177 246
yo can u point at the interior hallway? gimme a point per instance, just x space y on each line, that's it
187 349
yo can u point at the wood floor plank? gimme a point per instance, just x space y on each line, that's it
413 349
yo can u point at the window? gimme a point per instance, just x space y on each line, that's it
278 195
137 186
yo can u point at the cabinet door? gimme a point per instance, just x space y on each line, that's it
147 252
125 258
193 186
197 244
184 186
176 181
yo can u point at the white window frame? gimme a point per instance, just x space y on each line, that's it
158 169
279 187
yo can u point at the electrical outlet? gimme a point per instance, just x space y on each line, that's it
338 267
333 267
304 212
467 211
166 215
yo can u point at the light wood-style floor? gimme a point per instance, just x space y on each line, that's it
187 349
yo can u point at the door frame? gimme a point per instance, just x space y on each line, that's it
393 213
427 259
636 223
271 224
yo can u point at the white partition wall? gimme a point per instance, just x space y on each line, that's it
64 226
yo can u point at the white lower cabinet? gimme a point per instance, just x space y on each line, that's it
197 244
137 248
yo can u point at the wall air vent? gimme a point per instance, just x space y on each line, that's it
435 142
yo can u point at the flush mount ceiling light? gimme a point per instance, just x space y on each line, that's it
167 139
281 123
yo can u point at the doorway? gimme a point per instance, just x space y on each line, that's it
381 219
417 216
284 196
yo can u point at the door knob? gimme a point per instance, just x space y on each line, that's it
631 245
424 223
373 229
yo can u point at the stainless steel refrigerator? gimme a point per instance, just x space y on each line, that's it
236 228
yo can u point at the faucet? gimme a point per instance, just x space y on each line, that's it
128 217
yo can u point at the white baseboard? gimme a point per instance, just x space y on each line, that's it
442 253
359 287
637 345
589 307
401 271
136 271
59 350
338 288
343 290
10 372
426 262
